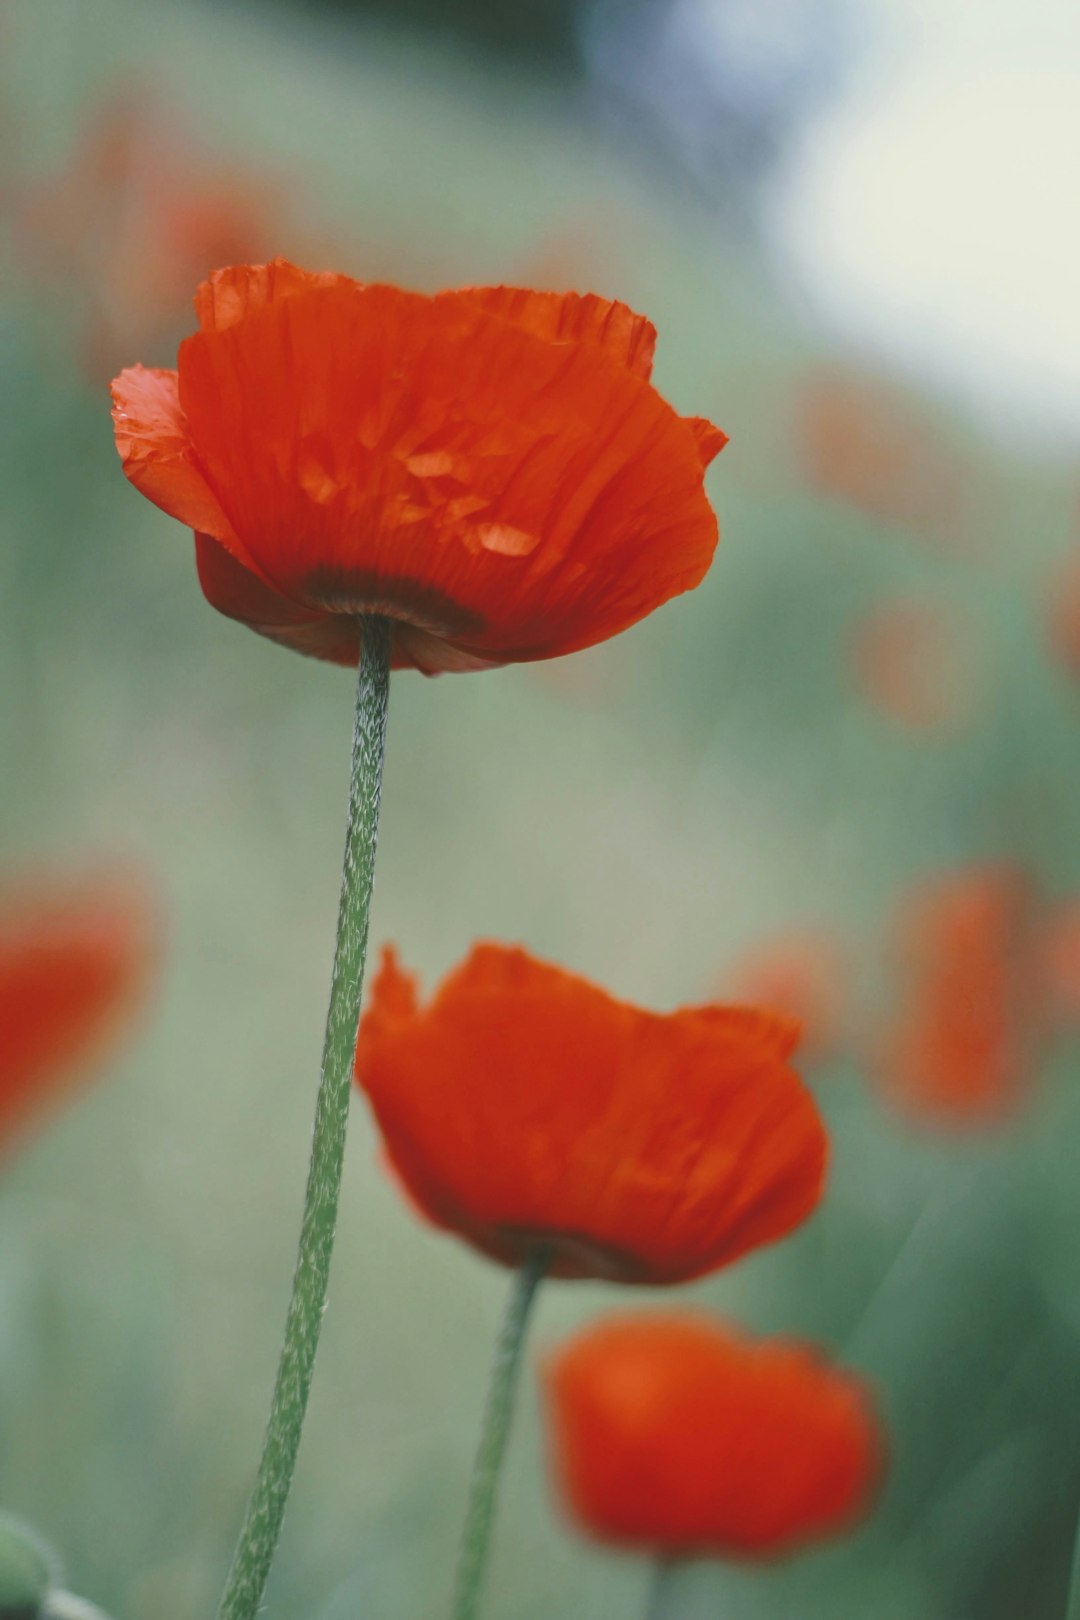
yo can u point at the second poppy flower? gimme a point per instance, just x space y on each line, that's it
524 1107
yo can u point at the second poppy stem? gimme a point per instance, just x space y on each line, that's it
266 1509
659 1602
480 1514
1072 1601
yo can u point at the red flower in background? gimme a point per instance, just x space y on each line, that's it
915 664
861 441
75 965
526 1106
490 468
1059 962
802 974
674 1435
138 216
1063 607
961 1050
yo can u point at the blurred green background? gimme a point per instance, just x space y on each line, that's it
733 769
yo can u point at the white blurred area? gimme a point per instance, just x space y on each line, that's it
915 165
931 209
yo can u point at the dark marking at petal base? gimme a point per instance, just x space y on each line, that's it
577 1256
355 590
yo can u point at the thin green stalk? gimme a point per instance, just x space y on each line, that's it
266 1509
480 1513
659 1605
1072 1602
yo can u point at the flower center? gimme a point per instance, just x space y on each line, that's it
578 1255
359 590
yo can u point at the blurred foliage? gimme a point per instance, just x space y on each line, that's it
543 33
643 812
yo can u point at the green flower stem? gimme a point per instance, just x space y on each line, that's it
480 1514
1072 1602
266 1509
659 1604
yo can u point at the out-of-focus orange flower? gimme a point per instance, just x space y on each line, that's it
490 468
675 1435
135 219
961 1049
525 1106
801 974
913 662
593 241
1063 608
1059 962
75 964
859 441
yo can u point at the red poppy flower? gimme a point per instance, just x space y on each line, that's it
676 1435
525 1105
802 974
74 966
1059 962
489 468
138 213
916 664
862 442
1063 610
961 1049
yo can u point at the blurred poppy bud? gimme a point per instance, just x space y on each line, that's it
27 1570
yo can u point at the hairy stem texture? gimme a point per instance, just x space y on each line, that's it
266 1509
480 1514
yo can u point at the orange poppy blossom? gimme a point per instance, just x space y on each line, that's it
524 1107
75 964
491 469
862 441
961 1049
1059 963
136 215
1063 615
804 973
677 1435
916 664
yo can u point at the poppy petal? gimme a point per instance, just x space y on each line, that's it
773 1033
710 440
240 594
427 460
156 451
572 318
228 295
523 1104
